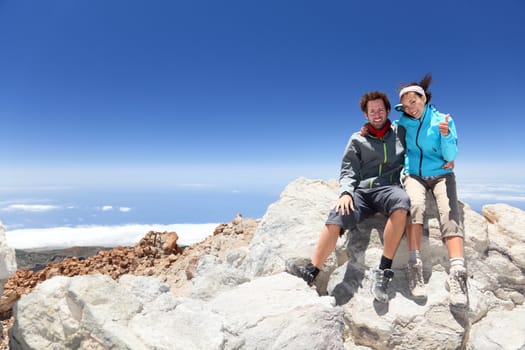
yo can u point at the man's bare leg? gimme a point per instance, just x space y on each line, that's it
393 233
326 244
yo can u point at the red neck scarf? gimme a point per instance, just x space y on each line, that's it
379 133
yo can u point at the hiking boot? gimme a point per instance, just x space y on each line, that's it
416 284
457 286
379 285
307 273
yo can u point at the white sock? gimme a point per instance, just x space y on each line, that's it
457 262
413 256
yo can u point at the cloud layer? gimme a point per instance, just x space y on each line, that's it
107 236
35 208
491 192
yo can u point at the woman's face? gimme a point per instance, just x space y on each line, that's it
413 104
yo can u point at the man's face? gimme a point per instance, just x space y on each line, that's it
376 113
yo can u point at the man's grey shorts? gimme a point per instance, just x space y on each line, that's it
367 202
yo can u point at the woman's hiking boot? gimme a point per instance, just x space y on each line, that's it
457 286
416 284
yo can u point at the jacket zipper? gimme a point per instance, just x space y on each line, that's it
420 149
381 164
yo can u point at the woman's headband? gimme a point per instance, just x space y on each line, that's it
412 88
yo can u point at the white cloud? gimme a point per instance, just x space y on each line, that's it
110 208
491 197
501 192
35 208
107 236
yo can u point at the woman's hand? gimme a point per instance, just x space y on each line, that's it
443 126
364 131
449 165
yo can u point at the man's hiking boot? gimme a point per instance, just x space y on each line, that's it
457 286
416 284
307 273
379 285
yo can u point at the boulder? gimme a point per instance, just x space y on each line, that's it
134 312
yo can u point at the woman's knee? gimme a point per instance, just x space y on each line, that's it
417 213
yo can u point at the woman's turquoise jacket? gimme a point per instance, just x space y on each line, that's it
426 149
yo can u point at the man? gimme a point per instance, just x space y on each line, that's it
369 183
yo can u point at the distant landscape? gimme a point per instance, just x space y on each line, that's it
37 259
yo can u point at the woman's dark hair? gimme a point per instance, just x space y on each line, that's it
424 83
374 95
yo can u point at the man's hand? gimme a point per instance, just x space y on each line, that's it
443 126
345 204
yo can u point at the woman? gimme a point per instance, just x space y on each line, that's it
431 143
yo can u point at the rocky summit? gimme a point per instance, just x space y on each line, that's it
231 291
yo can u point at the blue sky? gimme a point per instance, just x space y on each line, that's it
242 96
